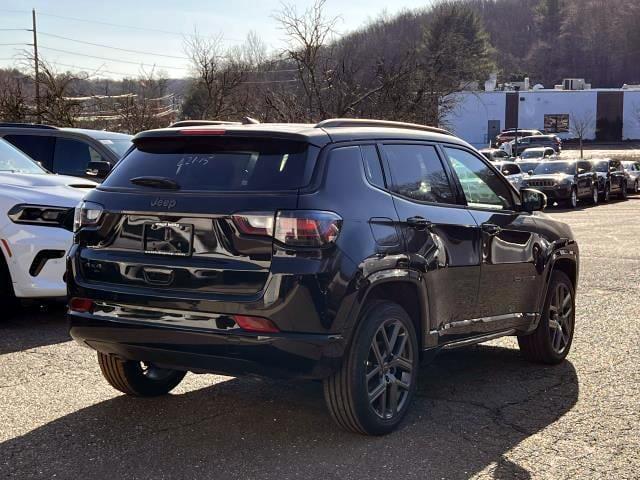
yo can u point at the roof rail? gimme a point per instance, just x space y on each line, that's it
364 122
27 125
198 123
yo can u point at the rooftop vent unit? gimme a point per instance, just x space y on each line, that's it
575 84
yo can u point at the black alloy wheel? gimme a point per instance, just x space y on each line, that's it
551 341
372 391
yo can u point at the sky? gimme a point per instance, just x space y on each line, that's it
159 29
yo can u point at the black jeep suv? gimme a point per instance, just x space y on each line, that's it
565 181
345 251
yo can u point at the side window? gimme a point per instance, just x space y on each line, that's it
511 169
72 157
417 173
586 166
38 147
372 166
482 186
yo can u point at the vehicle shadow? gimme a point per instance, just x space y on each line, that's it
35 325
473 406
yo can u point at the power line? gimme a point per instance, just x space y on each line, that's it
113 59
15 45
111 47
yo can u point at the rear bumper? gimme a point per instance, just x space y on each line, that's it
282 355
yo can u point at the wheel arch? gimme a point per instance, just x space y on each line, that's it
403 287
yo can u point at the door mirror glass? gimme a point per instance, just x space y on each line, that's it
532 200
98 168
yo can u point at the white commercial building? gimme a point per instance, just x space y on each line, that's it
608 115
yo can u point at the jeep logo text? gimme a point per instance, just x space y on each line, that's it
159 202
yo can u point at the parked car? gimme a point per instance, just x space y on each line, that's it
633 171
612 179
297 251
528 166
565 181
35 227
551 141
495 154
538 153
510 134
69 151
512 172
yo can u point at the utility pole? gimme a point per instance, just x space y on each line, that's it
36 65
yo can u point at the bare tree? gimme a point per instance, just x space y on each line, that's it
307 34
13 99
218 74
580 125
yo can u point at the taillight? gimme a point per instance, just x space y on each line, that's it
293 228
202 131
255 324
87 214
307 228
254 223
81 305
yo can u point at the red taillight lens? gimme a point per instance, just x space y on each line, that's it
254 223
305 228
202 131
81 305
255 324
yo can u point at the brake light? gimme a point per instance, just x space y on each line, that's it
202 131
307 228
81 305
255 324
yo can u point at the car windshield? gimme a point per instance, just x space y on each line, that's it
532 154
117 145
601 166
14 161
555 167
528 166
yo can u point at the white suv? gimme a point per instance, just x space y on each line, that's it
36 224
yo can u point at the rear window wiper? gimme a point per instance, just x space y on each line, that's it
156 182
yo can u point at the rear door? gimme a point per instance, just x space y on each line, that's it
441 238
585 178
510 280
198 215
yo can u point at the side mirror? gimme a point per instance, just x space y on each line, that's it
530 172
532 200
581 171
613 169
98 168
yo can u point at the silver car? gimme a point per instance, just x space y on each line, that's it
512 172
633 178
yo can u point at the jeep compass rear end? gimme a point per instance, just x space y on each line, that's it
340 251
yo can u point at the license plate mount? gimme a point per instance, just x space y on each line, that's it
168 238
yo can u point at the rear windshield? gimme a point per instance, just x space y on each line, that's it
218 164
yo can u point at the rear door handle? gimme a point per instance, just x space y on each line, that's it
419 223
491 229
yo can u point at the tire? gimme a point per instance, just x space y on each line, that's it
8 300
551 340
624 194
636 187
595 197
138 378
573 199
365 405
606 195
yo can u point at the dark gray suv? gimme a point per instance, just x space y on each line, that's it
68 151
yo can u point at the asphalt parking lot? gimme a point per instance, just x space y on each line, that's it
481 412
